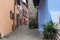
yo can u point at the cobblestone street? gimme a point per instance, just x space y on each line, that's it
23 33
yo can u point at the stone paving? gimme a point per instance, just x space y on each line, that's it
23 33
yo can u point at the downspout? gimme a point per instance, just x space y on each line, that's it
14 20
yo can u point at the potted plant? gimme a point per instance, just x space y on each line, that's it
49 31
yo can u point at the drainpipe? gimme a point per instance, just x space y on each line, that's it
14 20
21 11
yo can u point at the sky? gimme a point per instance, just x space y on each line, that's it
24 1
54 5
54 9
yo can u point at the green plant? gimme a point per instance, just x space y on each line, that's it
49 31
33 23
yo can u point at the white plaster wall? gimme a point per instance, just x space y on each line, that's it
31 8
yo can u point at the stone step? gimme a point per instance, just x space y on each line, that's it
58 35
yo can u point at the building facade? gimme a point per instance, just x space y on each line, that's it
32 9
8 13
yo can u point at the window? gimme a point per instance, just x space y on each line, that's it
18 1
36 2
11 15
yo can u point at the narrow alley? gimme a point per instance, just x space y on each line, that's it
23 33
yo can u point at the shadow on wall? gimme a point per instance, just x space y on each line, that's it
43 14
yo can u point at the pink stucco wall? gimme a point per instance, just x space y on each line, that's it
5 21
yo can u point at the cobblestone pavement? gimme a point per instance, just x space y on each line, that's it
23 33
